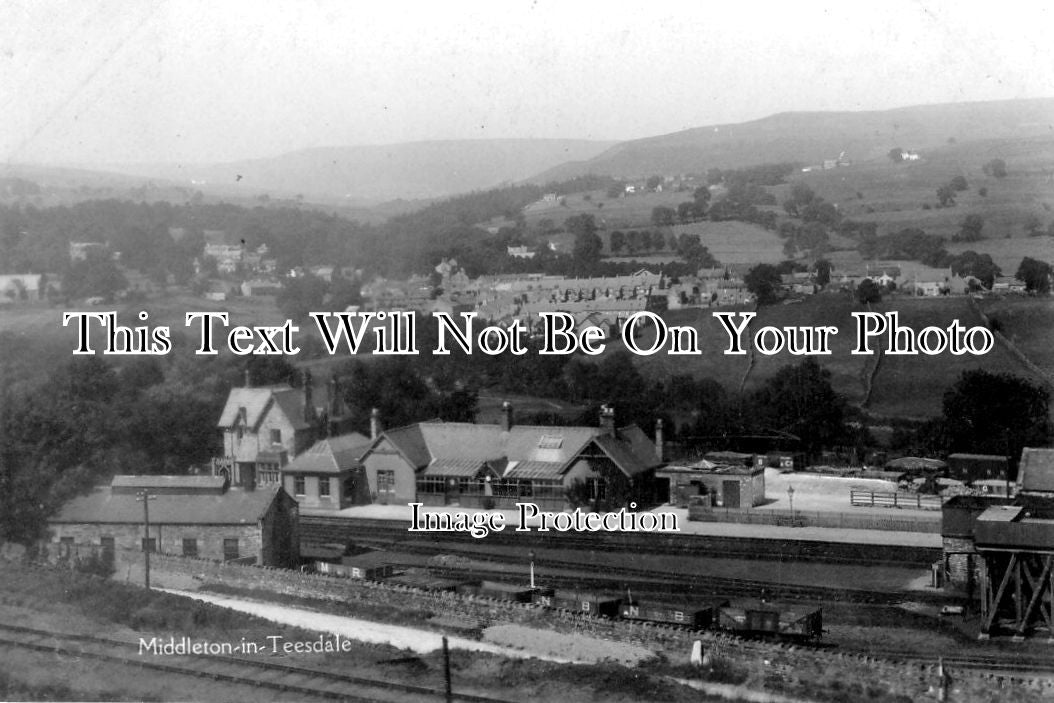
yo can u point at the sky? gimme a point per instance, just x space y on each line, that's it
92 82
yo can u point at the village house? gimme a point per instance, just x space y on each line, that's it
263 429
451 463
193 516
22 286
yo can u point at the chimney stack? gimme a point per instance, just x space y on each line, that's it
506 416
309 398
248 378
658 440
607 420
375 423
336 403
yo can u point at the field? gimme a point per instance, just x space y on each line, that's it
894 195
909 386
629 212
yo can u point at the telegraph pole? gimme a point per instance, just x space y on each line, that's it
145 497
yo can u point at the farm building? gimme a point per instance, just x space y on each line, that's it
729 485
972 467
452 463
196 516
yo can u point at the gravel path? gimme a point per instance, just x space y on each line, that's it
528 643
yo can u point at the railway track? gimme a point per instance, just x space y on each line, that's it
322 529
1013 665
284 678
570 574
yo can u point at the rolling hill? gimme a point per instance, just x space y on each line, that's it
810 137
379 173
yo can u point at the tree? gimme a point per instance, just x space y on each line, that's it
764 282
896 154
662 216
799 400
995 413
617 241
995 168
692 251
300 295
1036 275
980 266
970 230
701 197
959 183
1033 225
946 196
823 272
653 182
588 245
867 291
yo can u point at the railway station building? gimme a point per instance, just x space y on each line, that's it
195 516
497 465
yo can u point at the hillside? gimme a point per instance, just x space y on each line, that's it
378 173
903 386
810 137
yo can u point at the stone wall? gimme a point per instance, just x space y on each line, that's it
961 563
87 538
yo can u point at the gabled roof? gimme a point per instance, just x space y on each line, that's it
259 401
330 456
235 507
1036 470
530 451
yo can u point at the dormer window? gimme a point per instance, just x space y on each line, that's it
276 436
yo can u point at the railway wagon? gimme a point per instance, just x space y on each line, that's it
792 622
700 614
584 602
374 572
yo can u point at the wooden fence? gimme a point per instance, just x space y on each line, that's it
894 500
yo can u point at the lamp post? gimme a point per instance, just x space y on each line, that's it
145 497
790 496
530 555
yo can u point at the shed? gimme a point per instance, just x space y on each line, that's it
728 485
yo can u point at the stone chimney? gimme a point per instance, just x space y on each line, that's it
506 416
248 378
658 440
607 420
375 423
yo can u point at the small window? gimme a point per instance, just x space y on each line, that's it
276 436
149 545
597 488
190 547
386 481
107 548
323 487
298 486
230 548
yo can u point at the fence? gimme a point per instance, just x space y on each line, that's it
894 500
930 524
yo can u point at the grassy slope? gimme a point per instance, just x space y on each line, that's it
904 385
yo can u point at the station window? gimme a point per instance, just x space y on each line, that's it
298 486
230 548
149 544
323 487
190 547
386 481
